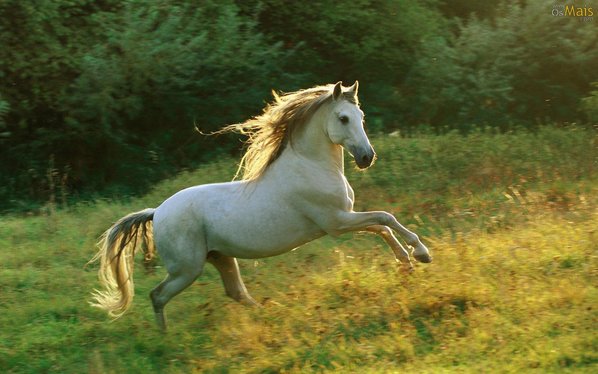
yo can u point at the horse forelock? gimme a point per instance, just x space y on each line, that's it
270 132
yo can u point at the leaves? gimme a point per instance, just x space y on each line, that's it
4 108
589 104
525 67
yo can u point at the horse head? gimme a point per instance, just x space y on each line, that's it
345 125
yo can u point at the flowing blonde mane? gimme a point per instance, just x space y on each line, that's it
268 133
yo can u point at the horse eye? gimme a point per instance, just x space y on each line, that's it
344 119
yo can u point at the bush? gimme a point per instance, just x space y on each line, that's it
525 66
125 87
589 105
104 95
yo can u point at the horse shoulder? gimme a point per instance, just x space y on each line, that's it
321 198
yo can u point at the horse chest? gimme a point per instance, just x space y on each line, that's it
330 194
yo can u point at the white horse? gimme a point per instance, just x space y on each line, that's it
293 191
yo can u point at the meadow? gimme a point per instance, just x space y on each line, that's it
511 220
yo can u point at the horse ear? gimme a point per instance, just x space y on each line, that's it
354 88
337 91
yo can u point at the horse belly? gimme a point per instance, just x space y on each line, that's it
260 233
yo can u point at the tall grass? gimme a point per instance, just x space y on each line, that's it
510 218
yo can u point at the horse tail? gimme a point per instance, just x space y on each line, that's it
117 247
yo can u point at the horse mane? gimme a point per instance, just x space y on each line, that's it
269 133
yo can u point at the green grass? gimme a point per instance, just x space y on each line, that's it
511 220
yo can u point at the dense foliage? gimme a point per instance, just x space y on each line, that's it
107 93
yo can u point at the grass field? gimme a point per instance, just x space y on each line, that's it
511 220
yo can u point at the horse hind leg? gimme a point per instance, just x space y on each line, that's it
231 277
172 285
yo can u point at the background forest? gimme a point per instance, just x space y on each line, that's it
99 98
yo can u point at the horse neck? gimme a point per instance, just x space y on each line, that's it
312 143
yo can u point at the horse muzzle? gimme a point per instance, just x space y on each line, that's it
364 157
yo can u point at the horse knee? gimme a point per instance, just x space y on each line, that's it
156 304
172 286
386 232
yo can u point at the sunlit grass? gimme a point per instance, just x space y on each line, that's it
512 287
508 301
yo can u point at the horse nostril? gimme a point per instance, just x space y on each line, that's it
365 159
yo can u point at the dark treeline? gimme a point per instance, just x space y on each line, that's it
105 94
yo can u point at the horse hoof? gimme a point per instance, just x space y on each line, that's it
408 269
424 258
250 301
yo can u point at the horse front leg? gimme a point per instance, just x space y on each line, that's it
360 221
399 251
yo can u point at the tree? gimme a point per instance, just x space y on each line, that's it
375 41
113 92
526 66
